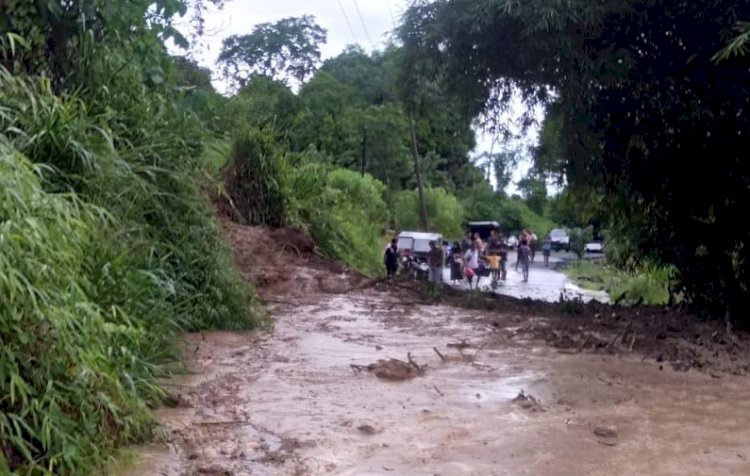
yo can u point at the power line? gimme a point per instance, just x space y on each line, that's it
390 12
348 23
362 21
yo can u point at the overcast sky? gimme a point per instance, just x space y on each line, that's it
365 22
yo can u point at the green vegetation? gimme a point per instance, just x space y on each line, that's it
350 120
345 216
109 249
444 212
628 93
649 285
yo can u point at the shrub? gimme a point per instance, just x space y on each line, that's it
109 249
578 239
73 381
256 179
344 212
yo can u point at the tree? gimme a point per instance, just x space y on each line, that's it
263 102
534 191
372 76
445 213
287 49
53 32
578 239
638 90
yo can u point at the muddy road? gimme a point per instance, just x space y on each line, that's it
300 400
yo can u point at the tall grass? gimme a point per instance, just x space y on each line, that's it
109 250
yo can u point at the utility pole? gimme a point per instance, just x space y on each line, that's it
364 149
418 172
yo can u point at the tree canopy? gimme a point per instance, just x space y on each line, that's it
642 102
286 50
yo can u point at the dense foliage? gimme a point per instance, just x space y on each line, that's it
109 246
287 49
351 115
641 98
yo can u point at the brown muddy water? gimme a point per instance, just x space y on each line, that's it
289 402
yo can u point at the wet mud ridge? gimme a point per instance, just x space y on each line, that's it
355 381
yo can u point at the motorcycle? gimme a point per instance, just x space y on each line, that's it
414 267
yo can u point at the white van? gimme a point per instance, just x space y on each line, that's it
417 243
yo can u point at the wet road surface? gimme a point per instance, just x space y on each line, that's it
545 283
289 403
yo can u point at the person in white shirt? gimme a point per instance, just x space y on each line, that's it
472 262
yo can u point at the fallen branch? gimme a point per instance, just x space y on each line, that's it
478 350
439 354
438 391
414 364
459 345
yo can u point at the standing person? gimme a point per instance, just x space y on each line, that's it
472 263
547 249
391 259
466 244
523 236
479 243
435 259
524 257
503 261
457 263
532 241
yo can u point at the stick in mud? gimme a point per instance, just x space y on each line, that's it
439 354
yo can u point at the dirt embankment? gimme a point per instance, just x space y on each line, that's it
283 264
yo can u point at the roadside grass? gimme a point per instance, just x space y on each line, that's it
215 156
647 285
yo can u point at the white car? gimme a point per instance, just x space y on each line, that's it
512 242
560 239
416 244
594 247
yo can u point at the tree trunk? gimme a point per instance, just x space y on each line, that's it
418 172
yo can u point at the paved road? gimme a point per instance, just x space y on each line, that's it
545 283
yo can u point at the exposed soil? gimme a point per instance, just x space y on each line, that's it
362 380
667 336
283 264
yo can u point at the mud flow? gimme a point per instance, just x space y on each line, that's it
471 398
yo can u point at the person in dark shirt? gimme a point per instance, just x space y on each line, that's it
524 258
457 263
468 242
391 259
435 259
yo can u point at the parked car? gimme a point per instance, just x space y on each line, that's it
512 242
483 228
559 239
416 244
594 247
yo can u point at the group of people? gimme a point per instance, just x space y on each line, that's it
468 259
